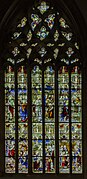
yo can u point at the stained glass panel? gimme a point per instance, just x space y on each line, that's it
76 117
49 100
22 121
63 103
50 20
9 120
36 21
43 33
37 138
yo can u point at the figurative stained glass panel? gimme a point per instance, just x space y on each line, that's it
9 120
43 33
50 20
76 118
49 100
36 21
63 104
37 138
22 121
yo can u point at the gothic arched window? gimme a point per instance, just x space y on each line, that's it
43 95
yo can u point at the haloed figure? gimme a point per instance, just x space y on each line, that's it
23 112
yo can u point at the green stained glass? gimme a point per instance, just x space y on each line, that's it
23 130
10 131
9 120
37 138
63 131
43 7
36 131
22 121
37 147
50 131
76 114
9 165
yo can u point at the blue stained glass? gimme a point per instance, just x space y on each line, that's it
36 21
50 20
23 164
23 112
42 34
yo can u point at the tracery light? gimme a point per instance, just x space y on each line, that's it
50 20
43 7
23 22
29 36
56 35
16 35
68 36
16 51
42 34
36 20
63 23
42 52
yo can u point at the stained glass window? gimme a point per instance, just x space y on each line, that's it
43 95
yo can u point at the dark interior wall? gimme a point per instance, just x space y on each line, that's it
82 4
